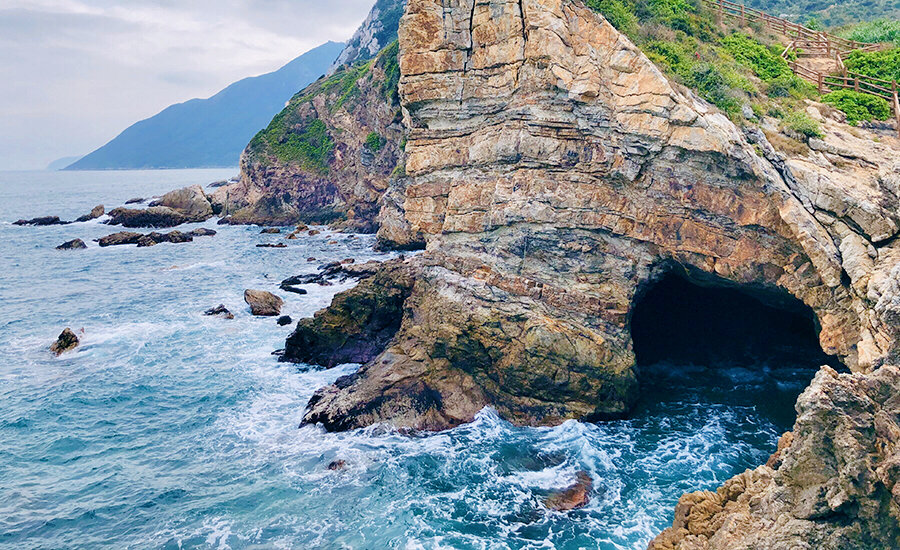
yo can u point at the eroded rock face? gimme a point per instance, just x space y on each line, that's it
835 485
174 208
555 173
262 303
67 341
191 201
328 157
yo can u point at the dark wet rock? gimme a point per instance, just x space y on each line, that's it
336 465
74 244
358 325
576 496
217 184
178 237
67 341
314 232
284 320
295 290
155 216
202 232
262 303
136 200
219 311
310 259
291 237
270 231
270 245
348 261
120 238
45 220
95 213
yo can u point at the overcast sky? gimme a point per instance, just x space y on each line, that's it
75 73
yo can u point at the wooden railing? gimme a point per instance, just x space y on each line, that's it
809 43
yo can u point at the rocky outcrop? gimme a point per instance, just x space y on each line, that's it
95 213
262 303
74 244
120 238
574 497
144 240
835 485
67 341
44 220
328 157
219 311
377 32
359 324
556 174
177 207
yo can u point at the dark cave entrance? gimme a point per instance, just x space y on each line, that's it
723 344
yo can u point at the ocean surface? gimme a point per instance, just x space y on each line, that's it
169 429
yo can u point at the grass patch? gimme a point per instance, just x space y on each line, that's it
802 124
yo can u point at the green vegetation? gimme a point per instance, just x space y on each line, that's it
309 147
374 142
859 107
881 30
829 13
727 69
801 123
389 63
884 64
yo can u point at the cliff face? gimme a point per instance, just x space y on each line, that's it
556 173
329 156
833 484
377 32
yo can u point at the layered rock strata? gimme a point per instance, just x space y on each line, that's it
555 174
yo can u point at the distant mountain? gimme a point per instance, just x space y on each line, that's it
205 133
60 164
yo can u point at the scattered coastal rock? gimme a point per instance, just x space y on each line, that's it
42 221
172 209
153 239
334 271
202 232
262 303
95 213
219 311
67 341
314 232
270 231
576 496
310 259
74 244
270 245
336 465
136 200
836 485
295 290
120 238
284 320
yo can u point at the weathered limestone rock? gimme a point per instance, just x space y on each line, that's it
174 208
262 303
836 486
555 173
67 341
191 201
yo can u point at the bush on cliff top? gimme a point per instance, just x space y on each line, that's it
859 107
884 64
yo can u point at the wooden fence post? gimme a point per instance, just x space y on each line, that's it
856 84
896 106
743 16
821 83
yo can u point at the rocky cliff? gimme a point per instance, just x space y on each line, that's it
377 32
556 174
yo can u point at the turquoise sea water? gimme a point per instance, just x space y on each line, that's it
169 429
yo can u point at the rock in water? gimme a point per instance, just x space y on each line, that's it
262 303
136 200
270 231
202 232
46 220
285 320
576 496
219 311
95 213
74 244
836 487
191 202
156 216
336 465
270 245
120 238
67 341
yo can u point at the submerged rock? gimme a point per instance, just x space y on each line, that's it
74 244
284 320
202 232
120 238
156 216
574 497
270 231
95 213
295 290
45 220
336 465
135 200
262 303
835 485
270 245
219 311
67 341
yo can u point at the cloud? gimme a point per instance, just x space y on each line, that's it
77 72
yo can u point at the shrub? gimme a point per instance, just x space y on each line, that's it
858 106
712 86
884 64
882 30
790 85
766 64
374 142
801 123
617 13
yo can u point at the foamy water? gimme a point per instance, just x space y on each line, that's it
169 429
